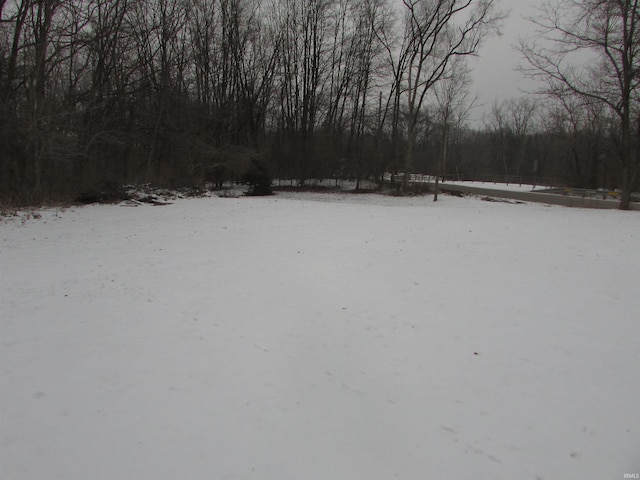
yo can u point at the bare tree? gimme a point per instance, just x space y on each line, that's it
435 33
511 122
453 101
40 19
579 126
605 33
365 51
14 28
303 25
256 53
395 62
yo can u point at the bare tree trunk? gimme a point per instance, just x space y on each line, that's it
37 135
443 159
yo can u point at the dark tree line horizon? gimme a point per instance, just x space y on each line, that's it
187 92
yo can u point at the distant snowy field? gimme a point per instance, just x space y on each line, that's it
318 337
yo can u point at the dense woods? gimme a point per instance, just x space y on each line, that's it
97 93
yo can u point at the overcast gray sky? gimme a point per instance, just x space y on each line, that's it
494 71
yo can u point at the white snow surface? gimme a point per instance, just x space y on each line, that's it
320 336
513 187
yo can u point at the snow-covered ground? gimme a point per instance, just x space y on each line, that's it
515 187
315 337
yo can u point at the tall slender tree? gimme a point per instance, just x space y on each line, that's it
592 49
435 33
452 103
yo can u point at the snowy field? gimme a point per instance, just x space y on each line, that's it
320 337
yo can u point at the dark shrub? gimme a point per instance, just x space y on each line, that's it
258 178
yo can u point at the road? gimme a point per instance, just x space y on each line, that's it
533 196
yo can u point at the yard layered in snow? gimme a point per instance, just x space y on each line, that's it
315 337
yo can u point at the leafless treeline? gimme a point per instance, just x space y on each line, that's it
178 92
